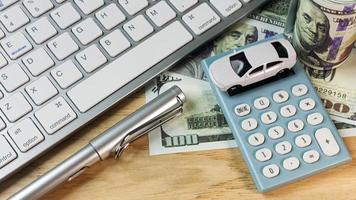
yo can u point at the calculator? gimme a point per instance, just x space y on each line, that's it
281 126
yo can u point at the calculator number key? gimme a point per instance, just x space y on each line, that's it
276 132
311 156
291 163
263 154
249 124
315 119
242 110
295 125
288 111
327 142
303 140
299 90
261 103
256 139
283 147
307 104
270 171
268 117
280 96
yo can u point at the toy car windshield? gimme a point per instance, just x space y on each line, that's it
240 64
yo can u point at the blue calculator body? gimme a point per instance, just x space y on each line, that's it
281 128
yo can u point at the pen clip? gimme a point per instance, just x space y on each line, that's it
149 126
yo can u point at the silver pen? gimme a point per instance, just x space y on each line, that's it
112 142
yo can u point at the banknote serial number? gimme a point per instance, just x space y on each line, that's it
331 92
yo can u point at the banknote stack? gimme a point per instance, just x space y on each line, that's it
203 126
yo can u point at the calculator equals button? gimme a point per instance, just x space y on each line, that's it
311 156
327 142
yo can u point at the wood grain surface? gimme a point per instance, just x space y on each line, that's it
216 174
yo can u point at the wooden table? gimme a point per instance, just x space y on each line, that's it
216 174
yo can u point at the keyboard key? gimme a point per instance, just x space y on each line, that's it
261 103
3 61
88 6
2 124
16 45
183 5
256 139
249 124
201 18
283 147
327 142
291 163
12 77
41 30
26 135
269 117
226 7
87 31
115 43
6 3
138 28
82 95
276 132
37 61
37 7
288 111
311 156
91 58
65 15
133 6
55 115
60 1
13 18
7 153
307 104
303 140
242 110
110 16
299 90
66 74
295 125
315 119
41 90
263 154
270 171
2 34
63 46
280 96
15 107
161 13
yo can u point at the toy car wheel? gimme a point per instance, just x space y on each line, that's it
283 73
234 89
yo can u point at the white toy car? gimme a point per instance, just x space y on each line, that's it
253 64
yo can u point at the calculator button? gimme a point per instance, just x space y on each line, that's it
315 119
283 147
268 117
311 156
276 132
249 124
295 125
288 111
261 103
307 104
327 142
263 154
280 96
299 90
303 140
7 154
291 163
270 171
256 139
242 110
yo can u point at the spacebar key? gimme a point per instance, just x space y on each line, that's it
115 75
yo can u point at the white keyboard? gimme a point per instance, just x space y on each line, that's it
62 63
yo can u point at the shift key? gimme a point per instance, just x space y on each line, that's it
55 115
